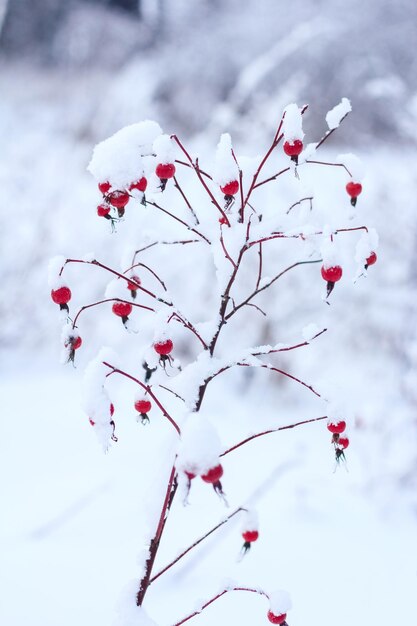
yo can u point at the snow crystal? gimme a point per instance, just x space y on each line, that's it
127 612
164 149
54 267
335 115
280 602
354 165
200 447
293 124
225 168
118 159
310 331
89 257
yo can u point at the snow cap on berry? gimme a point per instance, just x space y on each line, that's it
250 521
292 126
68 335
200 448
329 252
279 602
55 281
367 244
225 169
129 144
336 115
117 288
354 165
164 149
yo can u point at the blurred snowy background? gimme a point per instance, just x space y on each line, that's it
72 73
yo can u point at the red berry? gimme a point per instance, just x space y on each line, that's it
165 170
343 442
143 406
277 619
293 148
140 184
336 427
230 189
213 475
74 343
119 199
222 220
354 189
372 258
61 295
190 475
111 409
103 210
122 309
104 187
250 535
163 347
134 286
332 274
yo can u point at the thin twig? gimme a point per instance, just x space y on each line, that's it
272 430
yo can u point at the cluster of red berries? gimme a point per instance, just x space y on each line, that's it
337 427
118 198
211 476
333 273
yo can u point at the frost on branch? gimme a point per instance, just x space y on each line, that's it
336 115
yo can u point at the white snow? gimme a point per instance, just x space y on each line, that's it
250 520
118 159
310 331
330 252
353 164
367 244
336 115
127 612
54 267
225 168
293 123
200 447
164 148
280 602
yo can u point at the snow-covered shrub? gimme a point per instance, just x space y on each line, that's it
217 234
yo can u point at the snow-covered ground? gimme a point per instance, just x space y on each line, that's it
74 520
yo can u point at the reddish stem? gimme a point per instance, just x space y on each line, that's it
148 389
190 327
287 374
219 595
294 347
332 164
272 430
89 306
187 202
178 219
132 267
196 168
195 544
112 271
